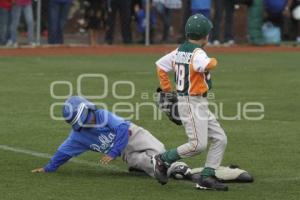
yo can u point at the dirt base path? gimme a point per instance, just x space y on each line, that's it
119 49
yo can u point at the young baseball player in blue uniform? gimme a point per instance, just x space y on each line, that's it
102 131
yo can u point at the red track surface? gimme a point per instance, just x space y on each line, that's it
119 49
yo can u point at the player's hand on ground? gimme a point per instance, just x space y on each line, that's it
105 159
38 170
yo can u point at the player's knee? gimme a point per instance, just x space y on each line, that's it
161 149
196 147
199 147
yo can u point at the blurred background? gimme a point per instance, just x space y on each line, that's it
96 22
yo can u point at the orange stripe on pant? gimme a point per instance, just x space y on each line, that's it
194 146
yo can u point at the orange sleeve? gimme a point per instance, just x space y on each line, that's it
212 64
164 80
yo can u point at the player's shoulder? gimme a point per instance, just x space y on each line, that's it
173 52
101 113
199 53
199 50
168 58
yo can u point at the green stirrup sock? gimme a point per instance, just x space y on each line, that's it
207 171
170 156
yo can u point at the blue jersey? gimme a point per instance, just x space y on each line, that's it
109 136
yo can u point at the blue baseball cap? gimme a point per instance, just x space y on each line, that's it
77 111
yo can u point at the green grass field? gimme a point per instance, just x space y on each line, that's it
268 149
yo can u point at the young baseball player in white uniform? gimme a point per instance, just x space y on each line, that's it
192 73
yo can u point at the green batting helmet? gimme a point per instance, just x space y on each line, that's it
197 27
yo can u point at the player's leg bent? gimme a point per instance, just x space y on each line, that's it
196 126
141 139
147 147
142 146
193 113
140 161
193 147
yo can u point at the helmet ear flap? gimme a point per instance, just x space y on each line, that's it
76 111
68 111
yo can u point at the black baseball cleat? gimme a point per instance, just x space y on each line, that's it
211 183
160 169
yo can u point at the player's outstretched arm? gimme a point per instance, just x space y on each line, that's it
65 152
56 161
